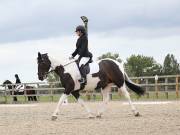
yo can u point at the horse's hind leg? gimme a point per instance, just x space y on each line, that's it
126 94
34 98
105 94
82 103
14 97
29 98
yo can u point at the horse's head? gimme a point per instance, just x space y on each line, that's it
44 65
7 82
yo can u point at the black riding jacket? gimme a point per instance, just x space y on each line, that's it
18 80
82 47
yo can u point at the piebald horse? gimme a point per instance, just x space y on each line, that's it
29 90
107 72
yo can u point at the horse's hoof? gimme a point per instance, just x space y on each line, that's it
53 118
91 116
137 114
98 116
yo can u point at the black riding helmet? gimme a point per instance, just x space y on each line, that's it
81 29
16 75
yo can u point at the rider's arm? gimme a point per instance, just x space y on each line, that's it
75 53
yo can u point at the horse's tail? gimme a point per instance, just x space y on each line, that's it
134 87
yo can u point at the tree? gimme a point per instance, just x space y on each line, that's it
156 69
53 77
171 66
142 66
114 56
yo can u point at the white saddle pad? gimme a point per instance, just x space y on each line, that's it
20 88
94 67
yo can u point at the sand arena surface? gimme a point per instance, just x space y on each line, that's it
156 119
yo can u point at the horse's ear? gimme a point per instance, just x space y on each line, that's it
39 55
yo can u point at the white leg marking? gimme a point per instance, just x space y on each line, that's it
82 103
61 100
105 94
126 94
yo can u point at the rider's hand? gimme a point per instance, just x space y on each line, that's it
71 57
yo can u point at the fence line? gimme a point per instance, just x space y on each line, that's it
146 82
159 81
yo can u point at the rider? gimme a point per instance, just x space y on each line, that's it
82 51
17 81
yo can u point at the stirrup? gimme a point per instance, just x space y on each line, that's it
82 81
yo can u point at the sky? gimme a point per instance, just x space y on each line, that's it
150 28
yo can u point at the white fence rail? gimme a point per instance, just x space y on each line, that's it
40 88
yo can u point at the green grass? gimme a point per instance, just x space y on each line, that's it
115 97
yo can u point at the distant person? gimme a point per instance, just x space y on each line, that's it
18 81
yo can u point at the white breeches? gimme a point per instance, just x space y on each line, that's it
83 60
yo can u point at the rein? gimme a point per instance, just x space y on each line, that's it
52 70
69 63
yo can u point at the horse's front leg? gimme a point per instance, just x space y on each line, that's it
76 94
61 100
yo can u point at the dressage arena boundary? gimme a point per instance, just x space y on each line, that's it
18 105
153 84
123 103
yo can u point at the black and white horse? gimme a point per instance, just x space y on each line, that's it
19 91
103 74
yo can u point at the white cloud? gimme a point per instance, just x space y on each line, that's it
29 20
155 47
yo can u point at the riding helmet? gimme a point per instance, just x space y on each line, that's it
81 28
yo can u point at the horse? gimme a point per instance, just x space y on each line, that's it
29 91
103 74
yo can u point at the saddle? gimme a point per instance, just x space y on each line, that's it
86 67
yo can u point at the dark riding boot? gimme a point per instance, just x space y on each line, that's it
90 60
83 79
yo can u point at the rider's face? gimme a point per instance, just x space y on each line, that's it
78 33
